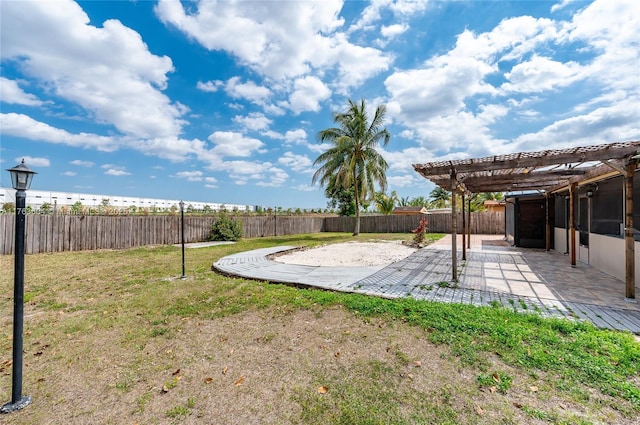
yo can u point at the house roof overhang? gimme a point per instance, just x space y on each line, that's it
544 171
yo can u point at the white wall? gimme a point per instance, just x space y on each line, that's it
606 253
560 240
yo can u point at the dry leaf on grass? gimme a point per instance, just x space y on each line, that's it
479 410
496 377
533 388
224 371
239 381
322 390
208 380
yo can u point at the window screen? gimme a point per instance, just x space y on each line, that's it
636 204
561 211
607 207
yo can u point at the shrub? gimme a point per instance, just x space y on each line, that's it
226 229
420 231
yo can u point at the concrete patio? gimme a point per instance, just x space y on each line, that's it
527 280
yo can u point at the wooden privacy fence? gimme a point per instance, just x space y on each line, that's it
54 233
491 223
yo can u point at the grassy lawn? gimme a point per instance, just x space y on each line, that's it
115 337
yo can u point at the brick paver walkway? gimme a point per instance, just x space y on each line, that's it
526 280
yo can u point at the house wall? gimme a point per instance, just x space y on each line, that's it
560 239
606 253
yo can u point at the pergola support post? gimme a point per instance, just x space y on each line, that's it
630 274
547 236
469 223
572 225
454 229
464 230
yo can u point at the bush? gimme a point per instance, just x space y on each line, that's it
420 231
226 229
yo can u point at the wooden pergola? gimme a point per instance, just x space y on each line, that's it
547 172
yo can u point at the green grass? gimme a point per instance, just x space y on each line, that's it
132 299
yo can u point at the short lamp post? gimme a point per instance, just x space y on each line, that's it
21 177
184 276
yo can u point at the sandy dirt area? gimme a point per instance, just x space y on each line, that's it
376 253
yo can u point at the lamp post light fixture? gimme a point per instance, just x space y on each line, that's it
21 177
184 276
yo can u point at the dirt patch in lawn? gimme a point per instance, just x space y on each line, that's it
261 367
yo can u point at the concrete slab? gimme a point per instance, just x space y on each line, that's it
529 281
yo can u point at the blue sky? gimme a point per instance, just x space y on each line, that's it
221 101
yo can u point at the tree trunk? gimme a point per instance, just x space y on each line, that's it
356 194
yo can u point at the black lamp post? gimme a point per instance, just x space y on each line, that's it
184 276
21 177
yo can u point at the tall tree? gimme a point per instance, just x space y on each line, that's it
439 198
386 203
352 157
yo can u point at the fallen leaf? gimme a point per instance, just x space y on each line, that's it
176 372
208 380
493 389
417 363
479 410
224 371
322 390
533 388
239 381
517 404
165 389
496 377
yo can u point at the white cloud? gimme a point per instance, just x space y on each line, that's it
10 92
451 106
69 173
277 42
541 74
400 8
209 86
113 170
31 161
81 163
297 136
107 70
307 95
394 30
249 90
298 163
234 144
21 125
405 180
618 122
254 121
306 188
263 173
192 176
561 5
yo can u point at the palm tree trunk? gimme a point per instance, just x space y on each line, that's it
356 194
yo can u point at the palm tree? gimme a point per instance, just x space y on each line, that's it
439 198
353 158
478 199
385 203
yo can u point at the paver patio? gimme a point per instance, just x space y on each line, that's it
527 280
